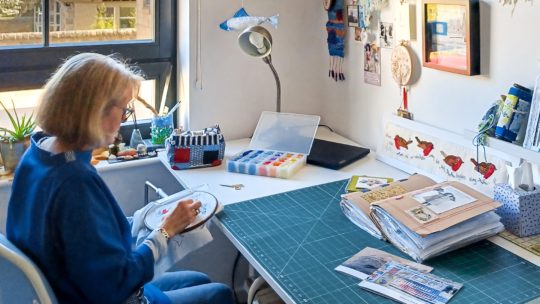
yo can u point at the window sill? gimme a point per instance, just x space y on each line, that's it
102 166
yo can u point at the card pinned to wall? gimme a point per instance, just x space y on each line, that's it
372 64
406 28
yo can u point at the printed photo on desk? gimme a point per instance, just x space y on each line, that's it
364 183
406 285
368 260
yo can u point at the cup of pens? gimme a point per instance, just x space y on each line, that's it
160 128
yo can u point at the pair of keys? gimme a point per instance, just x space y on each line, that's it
235 186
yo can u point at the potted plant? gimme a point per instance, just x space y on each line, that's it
15 140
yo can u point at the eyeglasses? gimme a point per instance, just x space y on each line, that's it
126 113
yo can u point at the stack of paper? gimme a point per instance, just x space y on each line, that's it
356 205
436 219
422 218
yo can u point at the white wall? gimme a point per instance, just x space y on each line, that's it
236 87
510 52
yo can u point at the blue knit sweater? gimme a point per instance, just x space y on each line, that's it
63 216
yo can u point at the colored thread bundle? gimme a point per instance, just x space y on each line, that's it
266 163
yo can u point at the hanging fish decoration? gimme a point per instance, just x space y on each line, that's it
336 40
242 20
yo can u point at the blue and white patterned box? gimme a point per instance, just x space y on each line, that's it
520 210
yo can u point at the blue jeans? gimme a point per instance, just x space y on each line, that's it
192 287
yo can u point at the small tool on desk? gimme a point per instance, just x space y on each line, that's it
235 186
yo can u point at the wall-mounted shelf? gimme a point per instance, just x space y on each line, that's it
508 148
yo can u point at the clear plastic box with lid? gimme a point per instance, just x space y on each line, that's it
279 146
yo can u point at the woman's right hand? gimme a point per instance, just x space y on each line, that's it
184 214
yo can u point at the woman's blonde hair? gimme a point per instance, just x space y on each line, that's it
80 94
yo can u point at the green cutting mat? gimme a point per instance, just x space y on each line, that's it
299 237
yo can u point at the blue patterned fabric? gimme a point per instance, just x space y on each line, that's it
520 210
336 29
194 149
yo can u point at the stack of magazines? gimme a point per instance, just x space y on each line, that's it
422 218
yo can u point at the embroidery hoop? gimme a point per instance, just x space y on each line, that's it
401 68
157 213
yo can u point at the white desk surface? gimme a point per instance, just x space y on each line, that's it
260 186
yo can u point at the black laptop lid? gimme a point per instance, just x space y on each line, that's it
334 155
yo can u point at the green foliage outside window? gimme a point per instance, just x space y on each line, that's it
103 19
11 8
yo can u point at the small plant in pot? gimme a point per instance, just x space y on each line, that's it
14 140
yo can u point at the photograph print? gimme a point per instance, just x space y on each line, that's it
352 15
386 35
442 199
365 262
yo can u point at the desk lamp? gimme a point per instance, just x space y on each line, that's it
256 41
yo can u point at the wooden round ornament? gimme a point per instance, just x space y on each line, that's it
401 65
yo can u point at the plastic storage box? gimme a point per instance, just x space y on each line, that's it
279 146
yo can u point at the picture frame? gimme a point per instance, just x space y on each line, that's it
451 36
352 15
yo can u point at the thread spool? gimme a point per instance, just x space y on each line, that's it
512 118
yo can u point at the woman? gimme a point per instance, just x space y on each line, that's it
63 216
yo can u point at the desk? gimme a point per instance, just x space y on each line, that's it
257 187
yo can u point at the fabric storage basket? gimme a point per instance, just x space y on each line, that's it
194 149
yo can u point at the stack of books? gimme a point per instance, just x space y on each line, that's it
422 218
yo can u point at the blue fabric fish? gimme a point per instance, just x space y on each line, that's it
242 20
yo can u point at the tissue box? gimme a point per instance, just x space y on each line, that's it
520 210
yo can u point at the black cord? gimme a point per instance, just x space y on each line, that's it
326 126
233 276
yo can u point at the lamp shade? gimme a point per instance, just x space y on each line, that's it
256 41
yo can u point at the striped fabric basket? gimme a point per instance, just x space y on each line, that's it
194 149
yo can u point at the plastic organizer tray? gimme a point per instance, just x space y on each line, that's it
279 146
266 163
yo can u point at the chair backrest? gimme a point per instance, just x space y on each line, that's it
21 281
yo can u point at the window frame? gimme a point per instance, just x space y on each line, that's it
24 67
29 67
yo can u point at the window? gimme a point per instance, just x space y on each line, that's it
33 44
127 17
104 18
26 100
54 17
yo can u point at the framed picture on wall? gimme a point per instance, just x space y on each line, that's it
352 15
451 36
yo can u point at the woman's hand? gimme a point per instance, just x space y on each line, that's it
185 212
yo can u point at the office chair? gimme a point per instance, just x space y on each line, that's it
20 279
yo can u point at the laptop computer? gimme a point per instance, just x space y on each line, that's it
334 155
